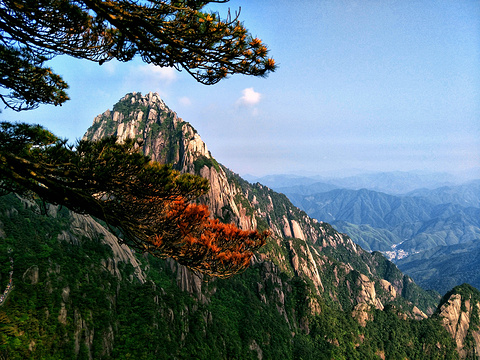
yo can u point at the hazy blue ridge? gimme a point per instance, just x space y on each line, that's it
465 195
395 183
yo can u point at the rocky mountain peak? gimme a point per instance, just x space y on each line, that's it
167 138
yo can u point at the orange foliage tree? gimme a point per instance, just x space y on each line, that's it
200 242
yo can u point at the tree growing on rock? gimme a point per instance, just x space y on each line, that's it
151 205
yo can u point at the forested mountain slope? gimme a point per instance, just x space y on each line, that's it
310 293
444 267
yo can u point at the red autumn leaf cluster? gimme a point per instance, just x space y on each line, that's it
205 244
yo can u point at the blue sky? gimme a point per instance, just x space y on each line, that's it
365 85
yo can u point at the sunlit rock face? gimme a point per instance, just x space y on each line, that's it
460 317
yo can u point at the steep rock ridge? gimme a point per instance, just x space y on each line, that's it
367 293
459 313
304 264
84 225
319 252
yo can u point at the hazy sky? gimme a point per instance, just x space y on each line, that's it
369 85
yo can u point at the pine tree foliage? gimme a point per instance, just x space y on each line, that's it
150 204
168 33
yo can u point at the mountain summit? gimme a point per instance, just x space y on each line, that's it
166 138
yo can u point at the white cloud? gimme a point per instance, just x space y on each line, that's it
145 78
185 101
157 73
111 66
250 97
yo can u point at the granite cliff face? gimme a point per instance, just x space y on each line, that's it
459 312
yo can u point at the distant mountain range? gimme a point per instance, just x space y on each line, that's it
444 267
420 224
396 182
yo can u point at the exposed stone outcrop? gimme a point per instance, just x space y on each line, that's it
221 198
418 314
387 286
189 281
362 313
304 264
254 347
31 276
62 314
459 315
84 225
83 334
367 294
